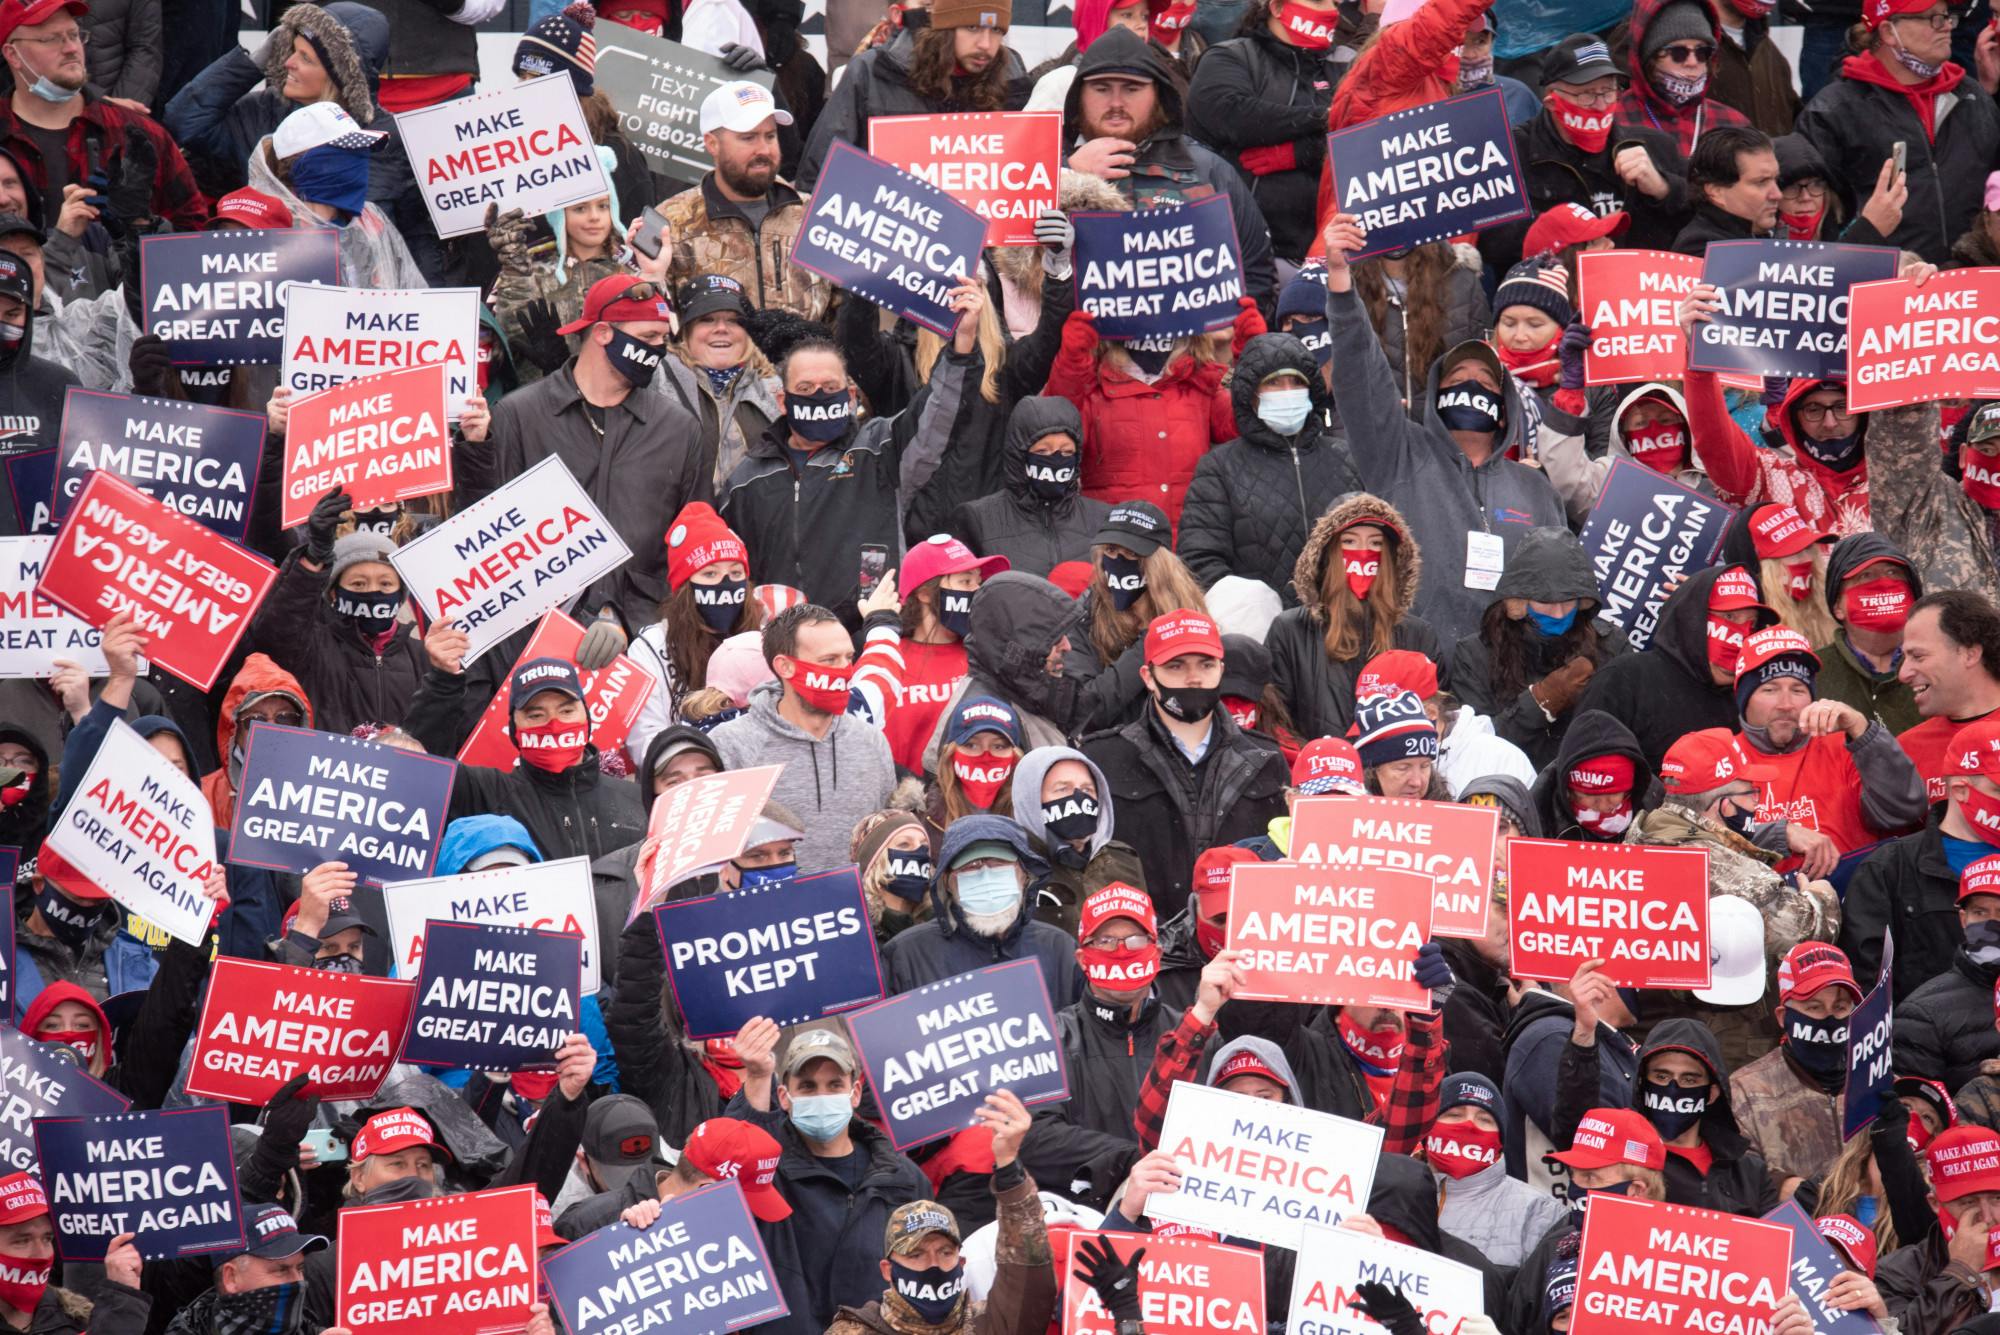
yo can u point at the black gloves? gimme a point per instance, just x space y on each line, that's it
1116 1281
539 344
742 59
1388 1308
321 523
152 365
287 1117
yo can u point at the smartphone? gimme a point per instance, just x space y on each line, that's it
647 239
324 1147
1901 152
874 562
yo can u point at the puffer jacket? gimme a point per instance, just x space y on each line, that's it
1074 873
1592 734
1578 477
1642 107
1254 500
125 47
1920 507
348 682
1033 534
1260 91
1548 566
1500 1216
1945 1030
258 676
1143 441
1181 961
1746 473
1318 692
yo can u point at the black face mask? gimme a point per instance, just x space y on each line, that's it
1579 1198
277 1309
1818 1045
376 521
720 603
1125 577
1670 1108
1840 454
955 611
338 964
1467 405
1189 704
632 359
820 417
933 1293
1317 338
1152 361
1051 476
371 613
916 20
1272 1021
1073 816
69 922
910 876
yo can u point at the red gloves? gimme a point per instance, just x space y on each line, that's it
1248 324
1267 158
1079 335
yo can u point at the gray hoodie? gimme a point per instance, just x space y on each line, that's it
831 783
1268 1053
1029 772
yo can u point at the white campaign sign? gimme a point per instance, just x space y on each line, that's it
553 896
521 146
334 334
144 832
497 565
1333 1261
34 632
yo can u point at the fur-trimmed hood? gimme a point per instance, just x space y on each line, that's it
1021 266
1356 507
347 37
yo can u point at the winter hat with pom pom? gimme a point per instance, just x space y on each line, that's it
562 43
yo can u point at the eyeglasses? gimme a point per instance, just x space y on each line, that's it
1599 97
1820 412
75 35
1937 22
1806 190
1138 941
1682 53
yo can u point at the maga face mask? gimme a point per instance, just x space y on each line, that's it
633 359
1979 474
1120 970
70 922
1305 27
910 874
1070 817
955 611
933 1293
1360 570
1467 405
371 613
1379 1049
1051 476
824 688
1725 643
821 416
1818 1045
981 777
721 603
1670 1108
1125 578
22 1279
1589 129
1661 446
553 746
1460 1149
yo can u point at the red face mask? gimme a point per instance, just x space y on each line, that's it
1799 580
1120 970
1460 1149
1361 569
1982 813
1981 477
824 688
1879 605
1662 447
1305 27
533 1084
1588 129
83 1040
1919 1136
1801 226
1537 366
16 791
1725 643
483 364
22 1279
1243 713
1168 24
981 776
554 746
1380 1048
1210 935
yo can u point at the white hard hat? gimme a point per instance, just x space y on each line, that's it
1735 953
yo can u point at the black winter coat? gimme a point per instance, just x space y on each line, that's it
654 1064
1476 1013
1594 733
1945 1030
1256 91
1254 500
1086 1144
347 681
1181 961
1172 811
1560 173
1034 535
1737 1181
1712 224
1905 885
31 412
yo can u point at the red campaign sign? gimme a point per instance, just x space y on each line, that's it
1187 1285
1323 936
1646 1267
1642 910
702 822
264 1023
1446 841
1627 298
1000 164
192 591
381 437
614 695
448 1265
1910 344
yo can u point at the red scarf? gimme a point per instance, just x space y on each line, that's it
1538 366
1923 96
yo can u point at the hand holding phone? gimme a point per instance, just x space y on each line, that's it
650 236
874 561
1901 152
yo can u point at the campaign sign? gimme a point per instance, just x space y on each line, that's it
498 564
1646 532
34 632
1442 840
1002 165
43 1080
1251 1168
309 797
382 438
551 896
494 998
1815 1265
33 477
333 334
218 297
167 1176
933 1055
262 1024
518 145
897 240
703 822
191 591
614 695
699 1269
1642 910
1647 1267
657 87
200 460
1443 169
1782 305
1334 1262
1627 299
1330 938
791 952
1871 1074
1159 273
1910 344
10 862
141 829
1188 1285
448 1265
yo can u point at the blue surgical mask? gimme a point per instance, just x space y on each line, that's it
988 890
1552 626
752 876
821 1116
50 91
1284 410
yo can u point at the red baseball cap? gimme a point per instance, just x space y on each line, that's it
1734 591
942 554
1963 1160
1608 1136
1851 1240
724 1147
545 1224
1116 900
22 1197
1397 670
1771 643
26 13
1603 775
615 300
1877 12
1570 224
1328 764
58 871
1812 965
1980 877
396 1129
1214 872
251 208
1780 530
1974 749
1244 1062
1073 577
1700 762
1179 633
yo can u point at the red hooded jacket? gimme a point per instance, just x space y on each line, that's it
1642 106
1746 473
258 676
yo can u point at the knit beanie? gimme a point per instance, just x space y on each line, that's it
561 43
874 831
1542 285
697 539
1771 654
1681 21
1469 1089
1392 728
972 14
358 546
1304 295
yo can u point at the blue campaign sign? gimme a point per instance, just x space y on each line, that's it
167 1176
310 797
1871 1074
894 238
1782 305
1814 1266
218 297
934 1054
201 460
1646 532
699 1270
1440 170
1159 273
32 477
790 952
43 1080
494 998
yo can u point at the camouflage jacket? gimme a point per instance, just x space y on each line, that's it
1786 1118
712 235
1792 913
1924 510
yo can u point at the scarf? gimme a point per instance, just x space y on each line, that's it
1923 96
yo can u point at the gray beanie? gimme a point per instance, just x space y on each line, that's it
1681 21
358 546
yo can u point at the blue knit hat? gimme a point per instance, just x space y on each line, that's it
562 44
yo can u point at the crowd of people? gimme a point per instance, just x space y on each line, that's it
1050 632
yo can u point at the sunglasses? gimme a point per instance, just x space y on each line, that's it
1681 52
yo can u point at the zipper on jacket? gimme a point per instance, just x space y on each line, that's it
1299 476
798 569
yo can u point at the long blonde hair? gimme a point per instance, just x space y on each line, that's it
1810 617
992 343
1343 610
1170 587
1847 1182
